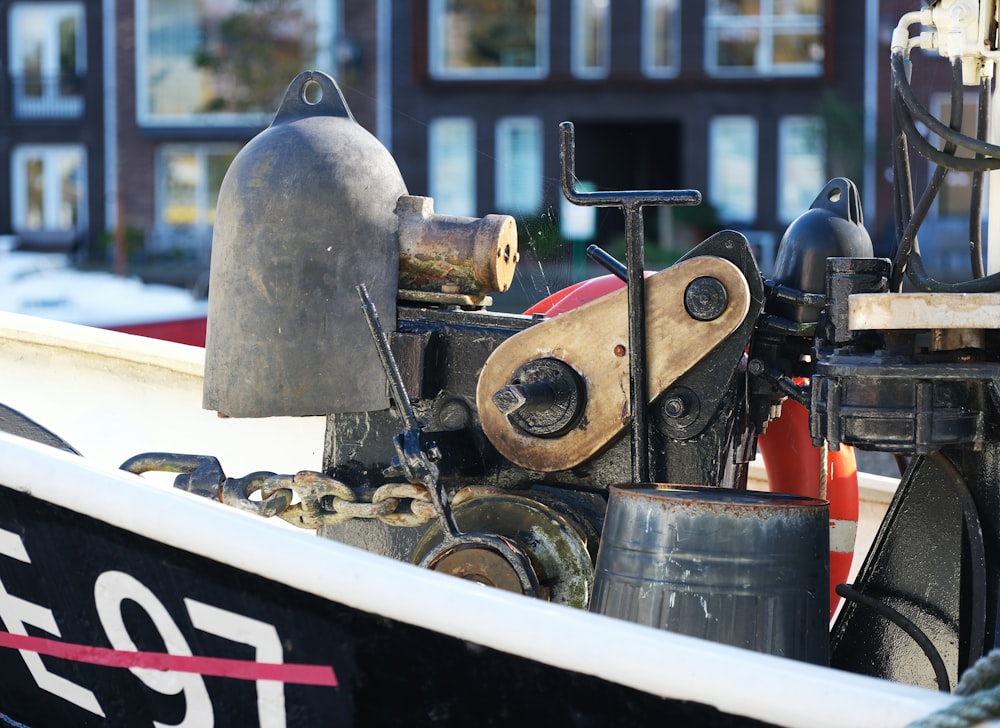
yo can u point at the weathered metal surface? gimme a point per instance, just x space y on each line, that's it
552 540
743 568
915 568
454 255
305 214
592 340
631 203
925 311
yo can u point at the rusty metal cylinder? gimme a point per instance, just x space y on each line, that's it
451 254
306 213
749 569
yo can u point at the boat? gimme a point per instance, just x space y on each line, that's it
48 285
300 626
370 500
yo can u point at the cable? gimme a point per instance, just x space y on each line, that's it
902 87
976 203
907 260
923 641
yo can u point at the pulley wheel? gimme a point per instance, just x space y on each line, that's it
556 549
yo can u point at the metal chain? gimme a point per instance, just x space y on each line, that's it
322 499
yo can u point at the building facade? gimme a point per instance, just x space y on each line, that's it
52 130
121 116
744 101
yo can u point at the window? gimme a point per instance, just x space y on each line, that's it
661 38
48 188
225 61
47 59
501 39
188 178
519 165
955 197
764 37
732 159
452 165
591 37
801 164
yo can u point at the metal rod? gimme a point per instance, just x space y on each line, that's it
389 365
631 203
610 262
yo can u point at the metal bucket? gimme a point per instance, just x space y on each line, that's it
743 568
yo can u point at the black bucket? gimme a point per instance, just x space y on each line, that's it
744 568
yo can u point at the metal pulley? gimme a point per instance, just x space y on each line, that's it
305 214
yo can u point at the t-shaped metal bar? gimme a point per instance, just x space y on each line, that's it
631 203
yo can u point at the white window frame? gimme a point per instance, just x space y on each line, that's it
801 175
451 165
581 38
732 167
52 200
326 17
52 103
769 25
436 57
519 183
201 228
649 39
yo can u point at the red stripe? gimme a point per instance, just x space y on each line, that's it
215 666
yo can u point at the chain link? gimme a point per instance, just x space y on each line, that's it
322 500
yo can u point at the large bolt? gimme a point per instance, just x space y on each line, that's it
705 298
512 398
544 398
675 407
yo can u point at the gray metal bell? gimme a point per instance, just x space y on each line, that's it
305 214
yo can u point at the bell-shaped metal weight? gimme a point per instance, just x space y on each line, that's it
832 227
305 214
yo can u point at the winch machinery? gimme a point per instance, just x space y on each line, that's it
524 451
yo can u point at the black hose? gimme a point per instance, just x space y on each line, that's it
908 246
976 203
907 260
923 641
905 91
903 199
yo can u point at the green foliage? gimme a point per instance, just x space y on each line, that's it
134 239
253 54
494 30
844 124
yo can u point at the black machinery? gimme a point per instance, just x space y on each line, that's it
484 445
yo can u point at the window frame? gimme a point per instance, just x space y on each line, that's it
327 14
790 206
720 167
49 154
440 165
52 103
770 26
649 39
439 71
200 229
507 200
580 38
